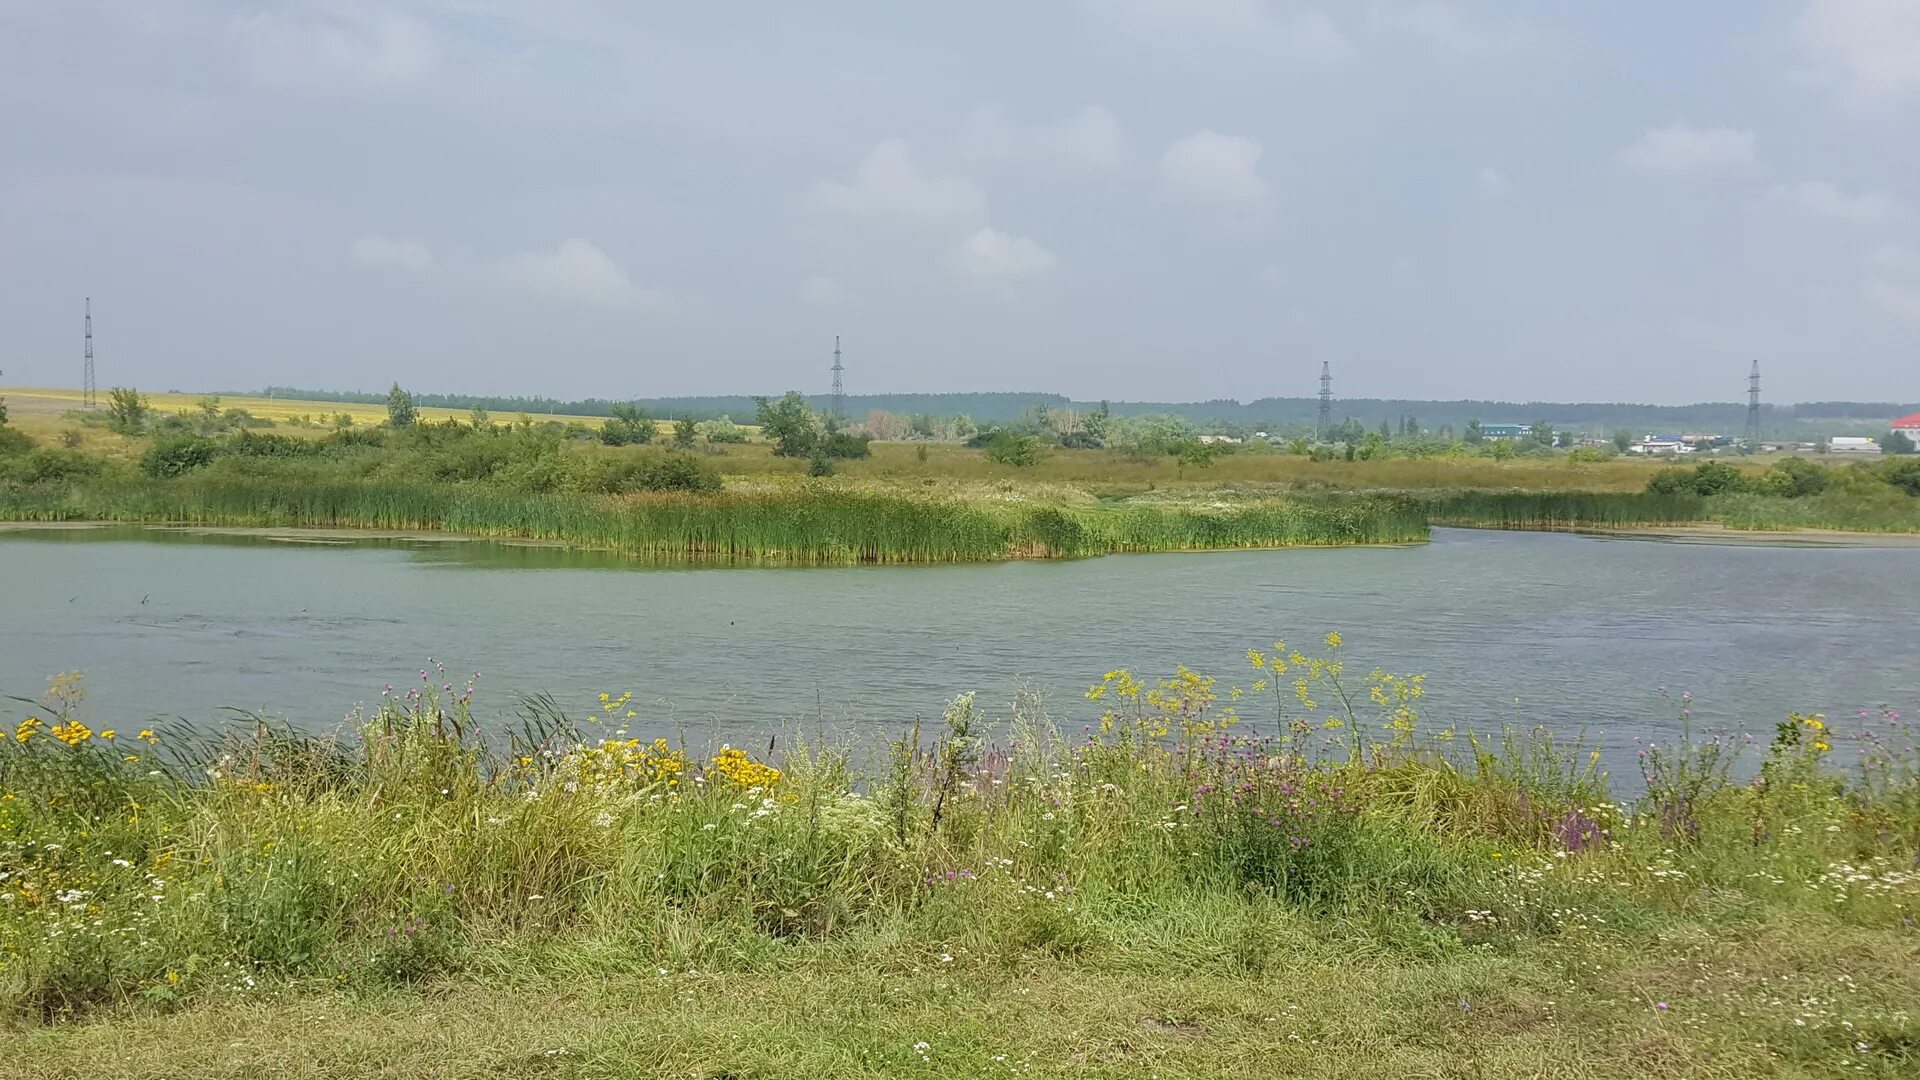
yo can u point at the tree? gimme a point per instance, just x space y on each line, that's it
479 418
1096 422
627 425
1622 440
1541 432
684 433
1010 448
400 410
126 410
723 430
3 412
788 424
1474 435
1896 442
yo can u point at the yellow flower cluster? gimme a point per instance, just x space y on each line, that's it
28 728
740 770
1816 727
626 761
1181 703
73 732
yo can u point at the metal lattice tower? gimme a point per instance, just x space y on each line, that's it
1326 400
1753 403
839 392
86 388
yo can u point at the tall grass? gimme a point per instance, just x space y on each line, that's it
157 866
1562 509
801 526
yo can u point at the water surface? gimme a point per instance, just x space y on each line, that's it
1578 632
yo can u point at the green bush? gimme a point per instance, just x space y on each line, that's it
177 455
14 441
49 465
841 444
1020 451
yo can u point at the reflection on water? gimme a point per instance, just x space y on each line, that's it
1568 630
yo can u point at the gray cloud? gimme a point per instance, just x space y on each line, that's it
1111 198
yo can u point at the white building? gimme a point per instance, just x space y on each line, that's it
1852 444
1909 426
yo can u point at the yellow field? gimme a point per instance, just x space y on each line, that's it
42 413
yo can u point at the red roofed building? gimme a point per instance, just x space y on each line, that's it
1909 426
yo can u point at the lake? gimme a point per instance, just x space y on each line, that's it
1572 631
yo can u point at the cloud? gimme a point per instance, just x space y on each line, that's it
1089 139
890 186
820 290
1209 167
576 272
336 49
1873 44
381 253
1679 148
1819 199
994 257
1893 282
1492 183
1303 34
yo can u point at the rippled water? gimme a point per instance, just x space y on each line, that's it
1578 632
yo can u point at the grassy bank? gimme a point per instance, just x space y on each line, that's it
804 526
1309 887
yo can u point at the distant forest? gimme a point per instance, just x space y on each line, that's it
1275 414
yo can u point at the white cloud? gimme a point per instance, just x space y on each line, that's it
335 49
1302 34
576 272
1874 44
890 186
381 253
821 290
994 257
1893 282
1207 166
1819 199
1492 183
1679 148
1089 139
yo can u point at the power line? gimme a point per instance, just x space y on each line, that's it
839 392
86 390
1326 400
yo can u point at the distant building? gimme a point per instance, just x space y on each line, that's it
1909 426
1505 431
1656 445
1852 444
1210 439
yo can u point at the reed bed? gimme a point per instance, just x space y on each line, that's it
795 526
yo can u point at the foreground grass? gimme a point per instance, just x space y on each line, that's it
1732 996
1326 885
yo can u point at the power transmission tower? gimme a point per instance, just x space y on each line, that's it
839 392
86 388
1753 404
1326 400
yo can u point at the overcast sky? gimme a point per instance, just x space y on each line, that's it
1132 199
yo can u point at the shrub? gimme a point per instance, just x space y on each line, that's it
1020 451
400 410
177 455
1904 475
126 411
628 425
1794 478
14 441
1706 478
842 444
722 431
49 465
668 472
